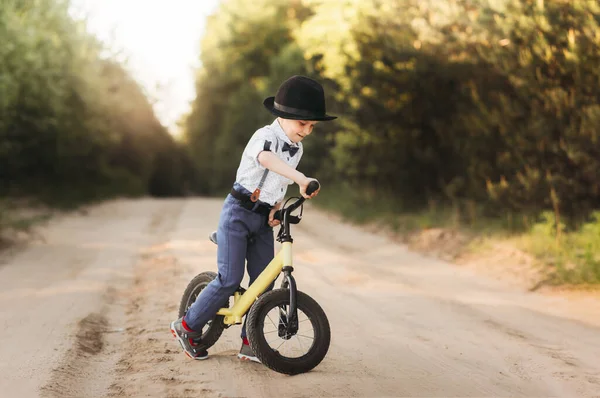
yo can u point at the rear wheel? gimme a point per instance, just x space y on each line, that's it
214 328
288 353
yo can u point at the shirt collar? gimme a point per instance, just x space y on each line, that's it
280 133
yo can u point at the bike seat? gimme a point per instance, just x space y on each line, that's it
213 237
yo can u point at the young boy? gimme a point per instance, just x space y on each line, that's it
245 230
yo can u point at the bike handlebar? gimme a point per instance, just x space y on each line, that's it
312 187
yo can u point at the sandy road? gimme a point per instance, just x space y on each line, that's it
86 314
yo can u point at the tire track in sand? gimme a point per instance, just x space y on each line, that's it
146 365
103 348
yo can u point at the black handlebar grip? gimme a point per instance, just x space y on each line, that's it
312 187
277 215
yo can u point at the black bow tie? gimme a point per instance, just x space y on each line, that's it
291 149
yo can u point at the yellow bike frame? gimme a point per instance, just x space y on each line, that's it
243 302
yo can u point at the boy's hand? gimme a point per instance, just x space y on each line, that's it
272 221
304 187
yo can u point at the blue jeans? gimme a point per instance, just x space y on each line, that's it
242 235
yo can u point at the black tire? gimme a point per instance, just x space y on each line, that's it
270 357
213 330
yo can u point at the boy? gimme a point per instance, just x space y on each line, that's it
245 231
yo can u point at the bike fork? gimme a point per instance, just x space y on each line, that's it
288 325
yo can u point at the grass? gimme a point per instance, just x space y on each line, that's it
572 258
19 217
573 255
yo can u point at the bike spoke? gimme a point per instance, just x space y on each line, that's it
276 327
301 347
277 349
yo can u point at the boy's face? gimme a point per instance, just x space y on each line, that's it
297 130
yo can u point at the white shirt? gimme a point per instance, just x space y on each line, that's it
250 171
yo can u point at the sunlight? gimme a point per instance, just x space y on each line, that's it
161 41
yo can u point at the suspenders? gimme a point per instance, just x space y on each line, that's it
256 193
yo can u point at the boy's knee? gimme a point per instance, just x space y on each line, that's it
230 283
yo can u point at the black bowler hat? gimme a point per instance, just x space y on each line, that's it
299 98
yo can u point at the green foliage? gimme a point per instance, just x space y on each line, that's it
455 100
488 101
548 227
249 52
551 154
74 125
574 255
487 107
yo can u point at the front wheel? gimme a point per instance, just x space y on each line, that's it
281 352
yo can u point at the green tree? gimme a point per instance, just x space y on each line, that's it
247 54
74 125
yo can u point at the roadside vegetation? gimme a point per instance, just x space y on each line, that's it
477 116
480 115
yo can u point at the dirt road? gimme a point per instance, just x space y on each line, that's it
86 314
